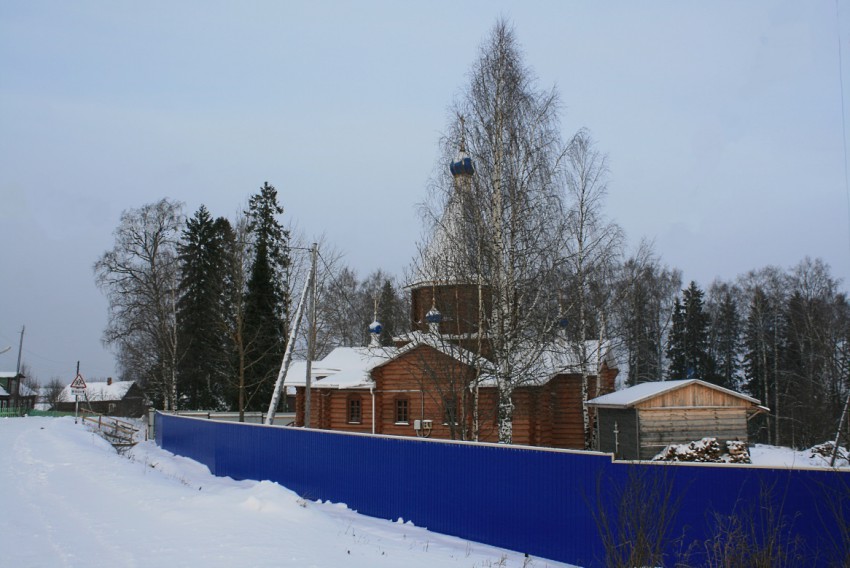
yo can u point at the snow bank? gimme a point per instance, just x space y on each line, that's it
70 500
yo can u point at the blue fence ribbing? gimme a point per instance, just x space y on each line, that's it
538 501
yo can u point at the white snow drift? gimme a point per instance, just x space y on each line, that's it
68 499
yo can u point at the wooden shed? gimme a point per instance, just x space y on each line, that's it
640 421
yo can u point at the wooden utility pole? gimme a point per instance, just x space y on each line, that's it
20 349
311 336
76 396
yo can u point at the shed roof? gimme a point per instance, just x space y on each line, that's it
632 396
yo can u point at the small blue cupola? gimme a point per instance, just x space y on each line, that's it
375 329
462 165
434 317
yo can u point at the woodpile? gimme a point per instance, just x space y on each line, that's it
738 452
825 451
706 450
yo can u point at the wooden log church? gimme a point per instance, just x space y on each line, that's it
437 381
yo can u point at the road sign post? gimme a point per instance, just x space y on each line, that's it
78 389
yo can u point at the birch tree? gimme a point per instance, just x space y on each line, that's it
512 208
140 277
592 249
765 293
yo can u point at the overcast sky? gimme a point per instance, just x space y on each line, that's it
722 122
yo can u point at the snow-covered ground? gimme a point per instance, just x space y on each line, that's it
775 456
68 499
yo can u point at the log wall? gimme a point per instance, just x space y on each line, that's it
545 415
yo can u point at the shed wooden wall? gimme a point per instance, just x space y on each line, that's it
694 395
624 444
659 427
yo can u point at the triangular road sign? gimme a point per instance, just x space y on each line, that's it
78 382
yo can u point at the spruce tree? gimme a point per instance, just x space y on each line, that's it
390 313
688 350
638 334
267 298
676 355
203 367
725 341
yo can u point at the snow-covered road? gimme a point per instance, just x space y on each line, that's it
67 499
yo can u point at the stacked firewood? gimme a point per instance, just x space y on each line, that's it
738 451
707 450
825 451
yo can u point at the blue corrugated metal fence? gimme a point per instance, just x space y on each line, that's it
538 501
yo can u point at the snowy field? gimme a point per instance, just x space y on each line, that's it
68 499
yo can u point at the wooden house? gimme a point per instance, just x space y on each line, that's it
14 393
640 421
112 398
426 388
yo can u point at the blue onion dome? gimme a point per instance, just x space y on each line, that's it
563 322
462 165
433 316
376 328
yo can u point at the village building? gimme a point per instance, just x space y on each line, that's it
640 421
425 388
14 394
437 381
111 398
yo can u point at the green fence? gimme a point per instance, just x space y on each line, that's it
53 413
18 411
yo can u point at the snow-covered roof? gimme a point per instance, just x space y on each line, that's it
561 357
440 343
351 367
101 391
564 356
635 395
23 390
344 367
